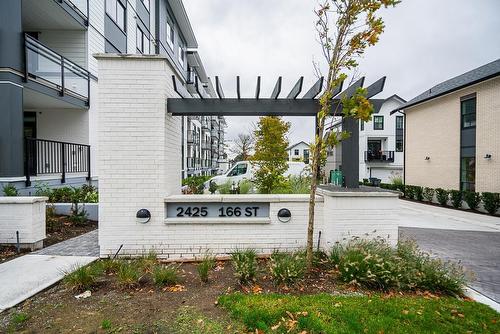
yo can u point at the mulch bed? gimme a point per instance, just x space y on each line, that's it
59 228
450 207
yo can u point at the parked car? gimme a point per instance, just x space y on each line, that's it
245 170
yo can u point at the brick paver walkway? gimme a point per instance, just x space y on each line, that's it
83 245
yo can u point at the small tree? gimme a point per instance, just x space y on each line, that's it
242 147
270 153
355 28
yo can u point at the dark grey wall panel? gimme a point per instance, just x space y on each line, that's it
11 130
143 16
115 35
11 35
350 153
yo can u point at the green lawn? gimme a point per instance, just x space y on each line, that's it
324 313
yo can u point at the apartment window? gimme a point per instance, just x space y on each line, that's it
296 152
170 34
399 122
468 173
362 126
399 145
116 11
468 112
142 41
378 122
181 55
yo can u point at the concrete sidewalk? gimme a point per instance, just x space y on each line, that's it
27 275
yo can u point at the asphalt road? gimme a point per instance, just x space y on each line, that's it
478 251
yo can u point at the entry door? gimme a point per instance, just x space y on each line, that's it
374 149
30 147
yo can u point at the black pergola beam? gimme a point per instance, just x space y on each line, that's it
257 89
296 89
218 88
238 87
314 90
375 88
349 91
277 89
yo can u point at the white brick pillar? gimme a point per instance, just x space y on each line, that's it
139 149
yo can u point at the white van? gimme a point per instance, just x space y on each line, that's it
245 170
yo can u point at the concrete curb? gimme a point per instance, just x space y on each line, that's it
480 298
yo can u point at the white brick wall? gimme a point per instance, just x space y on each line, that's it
23 214
140 166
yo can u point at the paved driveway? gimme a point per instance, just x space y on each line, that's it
472 239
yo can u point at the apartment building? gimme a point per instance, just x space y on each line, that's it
381 144
452 137
49 78
299 152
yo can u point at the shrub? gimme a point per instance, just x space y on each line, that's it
165 275
491 202
418 193
375 264
428 194
442 196
409 192
128 274
196 183
245 186
204 267
10 190
456 198
225 188
245 265
472 199
84 277
287 268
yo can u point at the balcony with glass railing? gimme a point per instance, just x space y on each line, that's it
50 69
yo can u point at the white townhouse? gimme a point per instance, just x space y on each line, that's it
299 152
49 83
381 144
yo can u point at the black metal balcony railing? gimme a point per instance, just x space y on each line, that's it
51 69
380 156
205 145
54 157
190 163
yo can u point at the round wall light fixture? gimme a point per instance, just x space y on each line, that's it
284 215
143 216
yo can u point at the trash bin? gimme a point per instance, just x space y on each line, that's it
375 182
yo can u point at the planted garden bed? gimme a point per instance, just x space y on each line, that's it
344 293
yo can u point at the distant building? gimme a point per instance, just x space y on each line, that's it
381 143
299 152
452 133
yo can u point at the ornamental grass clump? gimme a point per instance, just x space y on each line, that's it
81 278
128 274
287 268
165 275
245 265
205 266
374 264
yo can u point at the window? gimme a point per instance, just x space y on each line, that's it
378 122
468 174
362 126
116 11
399 145
170 34
181 55
239 169
399 122
296 151
468 112
142 41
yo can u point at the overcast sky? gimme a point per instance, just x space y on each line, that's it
425 42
